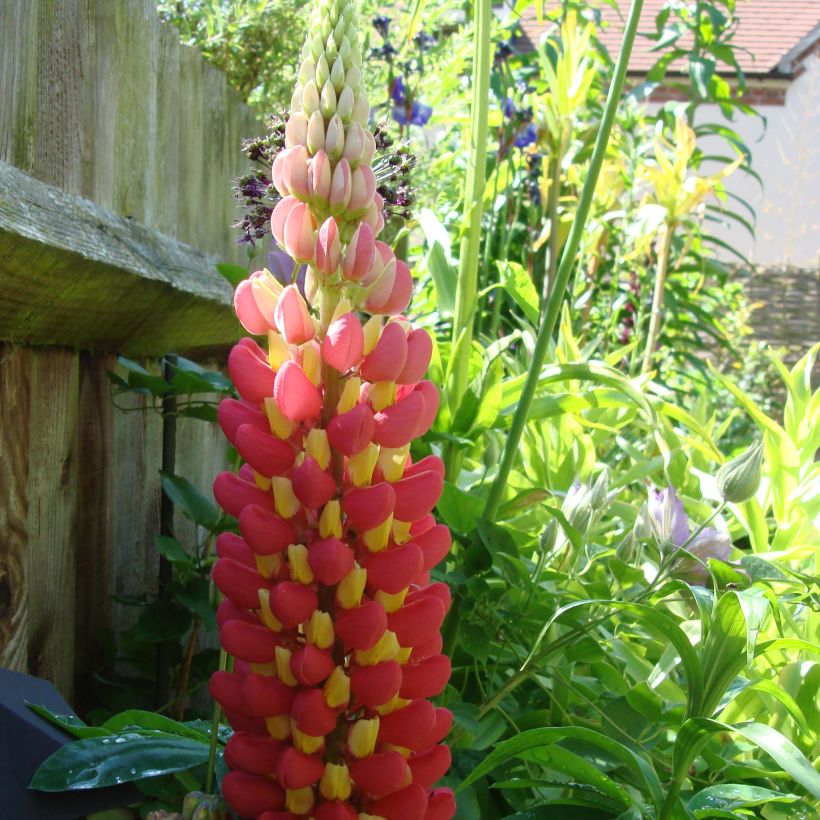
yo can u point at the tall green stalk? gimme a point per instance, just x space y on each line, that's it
556 297
657 299
466 286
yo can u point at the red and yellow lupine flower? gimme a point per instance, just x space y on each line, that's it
329 611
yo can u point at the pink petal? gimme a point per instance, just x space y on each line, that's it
394 569
367 507
344 343
279 216
246 310
231 414
266 453
312 485
330 560
300 233
292 317
292 603
328 247
418 621
360 254
233 494
387 359
398 424
265 532
296 396
417 495
375 685
362 626
250 372
425 678
349 433
419 352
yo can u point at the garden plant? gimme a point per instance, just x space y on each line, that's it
518 524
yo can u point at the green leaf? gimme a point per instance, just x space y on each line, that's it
123 758
68 723
162 621
517 283
444 278
136 719
459 510
196 596
233 273
735 796
194 505
171 549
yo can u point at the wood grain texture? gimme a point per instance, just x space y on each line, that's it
52 496
15 401
75 274
100 99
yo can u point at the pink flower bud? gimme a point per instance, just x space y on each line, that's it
344 343
369 147
279 216
360 254
374 686
363 187
316 132
300 233
246 310
330 560
399 296
250 372
335 138
296 130
419 352
354 144
441 805
362 626
295 171
276 174
341 187
328 247
394 569
319 177
292 317
375 215
386 361
296 396
310 666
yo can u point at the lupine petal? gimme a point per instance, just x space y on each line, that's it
410 726
230 545
252 754
250 372
336 811
313 486
343 345
292 317
386 361
296 770
279 217
407 804
396 425
328 247
419 353
394 569
417 495
233 494
438 590
376 685
330 559
226 690
265 532
351 432
311 666
399 295
232 414
265 696
427 390
381 774
428 648
238 582
229 611
425 678
250 795
367 507
247 311
441 805
296 396
292 603
249 642
430 766
266 453
432 462
360 253
361 627
312 715
417 622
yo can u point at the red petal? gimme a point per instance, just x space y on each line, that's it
233 494
238 582
418 621
425 678
441 805
430 766
335 811
226 690
407 804
444 722
296 770
397 425
312 715
265 532
266 453
297 397
249 642
380 773
230 545
250 372
252 754
232 413
376 685
419 352
265 696
292 603
438 590
367 507
428 648
249 795
311 665
245 723
435 544
433 463
417 495
330 560
344 343
386 361
351 432
409 726
394 569
229 611
312 485
428 392
362 626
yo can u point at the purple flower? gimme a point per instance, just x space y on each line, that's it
526 136
508 108
708 543
416 114
398 92
382 25
668 516
281 266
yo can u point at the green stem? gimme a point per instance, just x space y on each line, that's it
209 777
556 298
466 286
552 210
657 300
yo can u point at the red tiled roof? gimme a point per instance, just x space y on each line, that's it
767 30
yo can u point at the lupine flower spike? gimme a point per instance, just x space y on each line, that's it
329 611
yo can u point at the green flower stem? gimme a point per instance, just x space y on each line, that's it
209 777
657 299
466 286
556 297
552 209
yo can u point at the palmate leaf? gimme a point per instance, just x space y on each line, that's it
122 758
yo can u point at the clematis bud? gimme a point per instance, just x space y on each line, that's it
739 478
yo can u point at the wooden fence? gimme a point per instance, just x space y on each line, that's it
118 148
